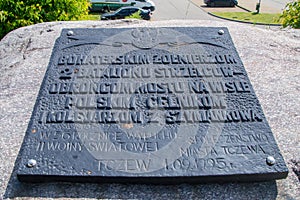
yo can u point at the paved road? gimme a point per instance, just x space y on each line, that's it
191 9
274 4
178 9
267 6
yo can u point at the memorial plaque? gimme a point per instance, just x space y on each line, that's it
158 105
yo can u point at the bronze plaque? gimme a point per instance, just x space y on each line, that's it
159 105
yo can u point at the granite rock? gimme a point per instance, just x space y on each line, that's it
271 57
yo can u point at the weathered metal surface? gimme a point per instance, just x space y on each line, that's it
148 105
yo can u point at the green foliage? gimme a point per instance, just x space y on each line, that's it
18 13
291 15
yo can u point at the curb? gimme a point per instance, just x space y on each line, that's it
233 20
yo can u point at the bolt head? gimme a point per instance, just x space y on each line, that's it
221 32
271 160
31 163
70 33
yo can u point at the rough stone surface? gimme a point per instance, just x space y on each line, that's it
271 58
153 145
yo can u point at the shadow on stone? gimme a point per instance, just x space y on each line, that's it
259 190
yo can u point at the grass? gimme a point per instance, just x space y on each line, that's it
93 16
135 15
266 18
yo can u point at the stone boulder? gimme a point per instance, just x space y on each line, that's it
271 57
